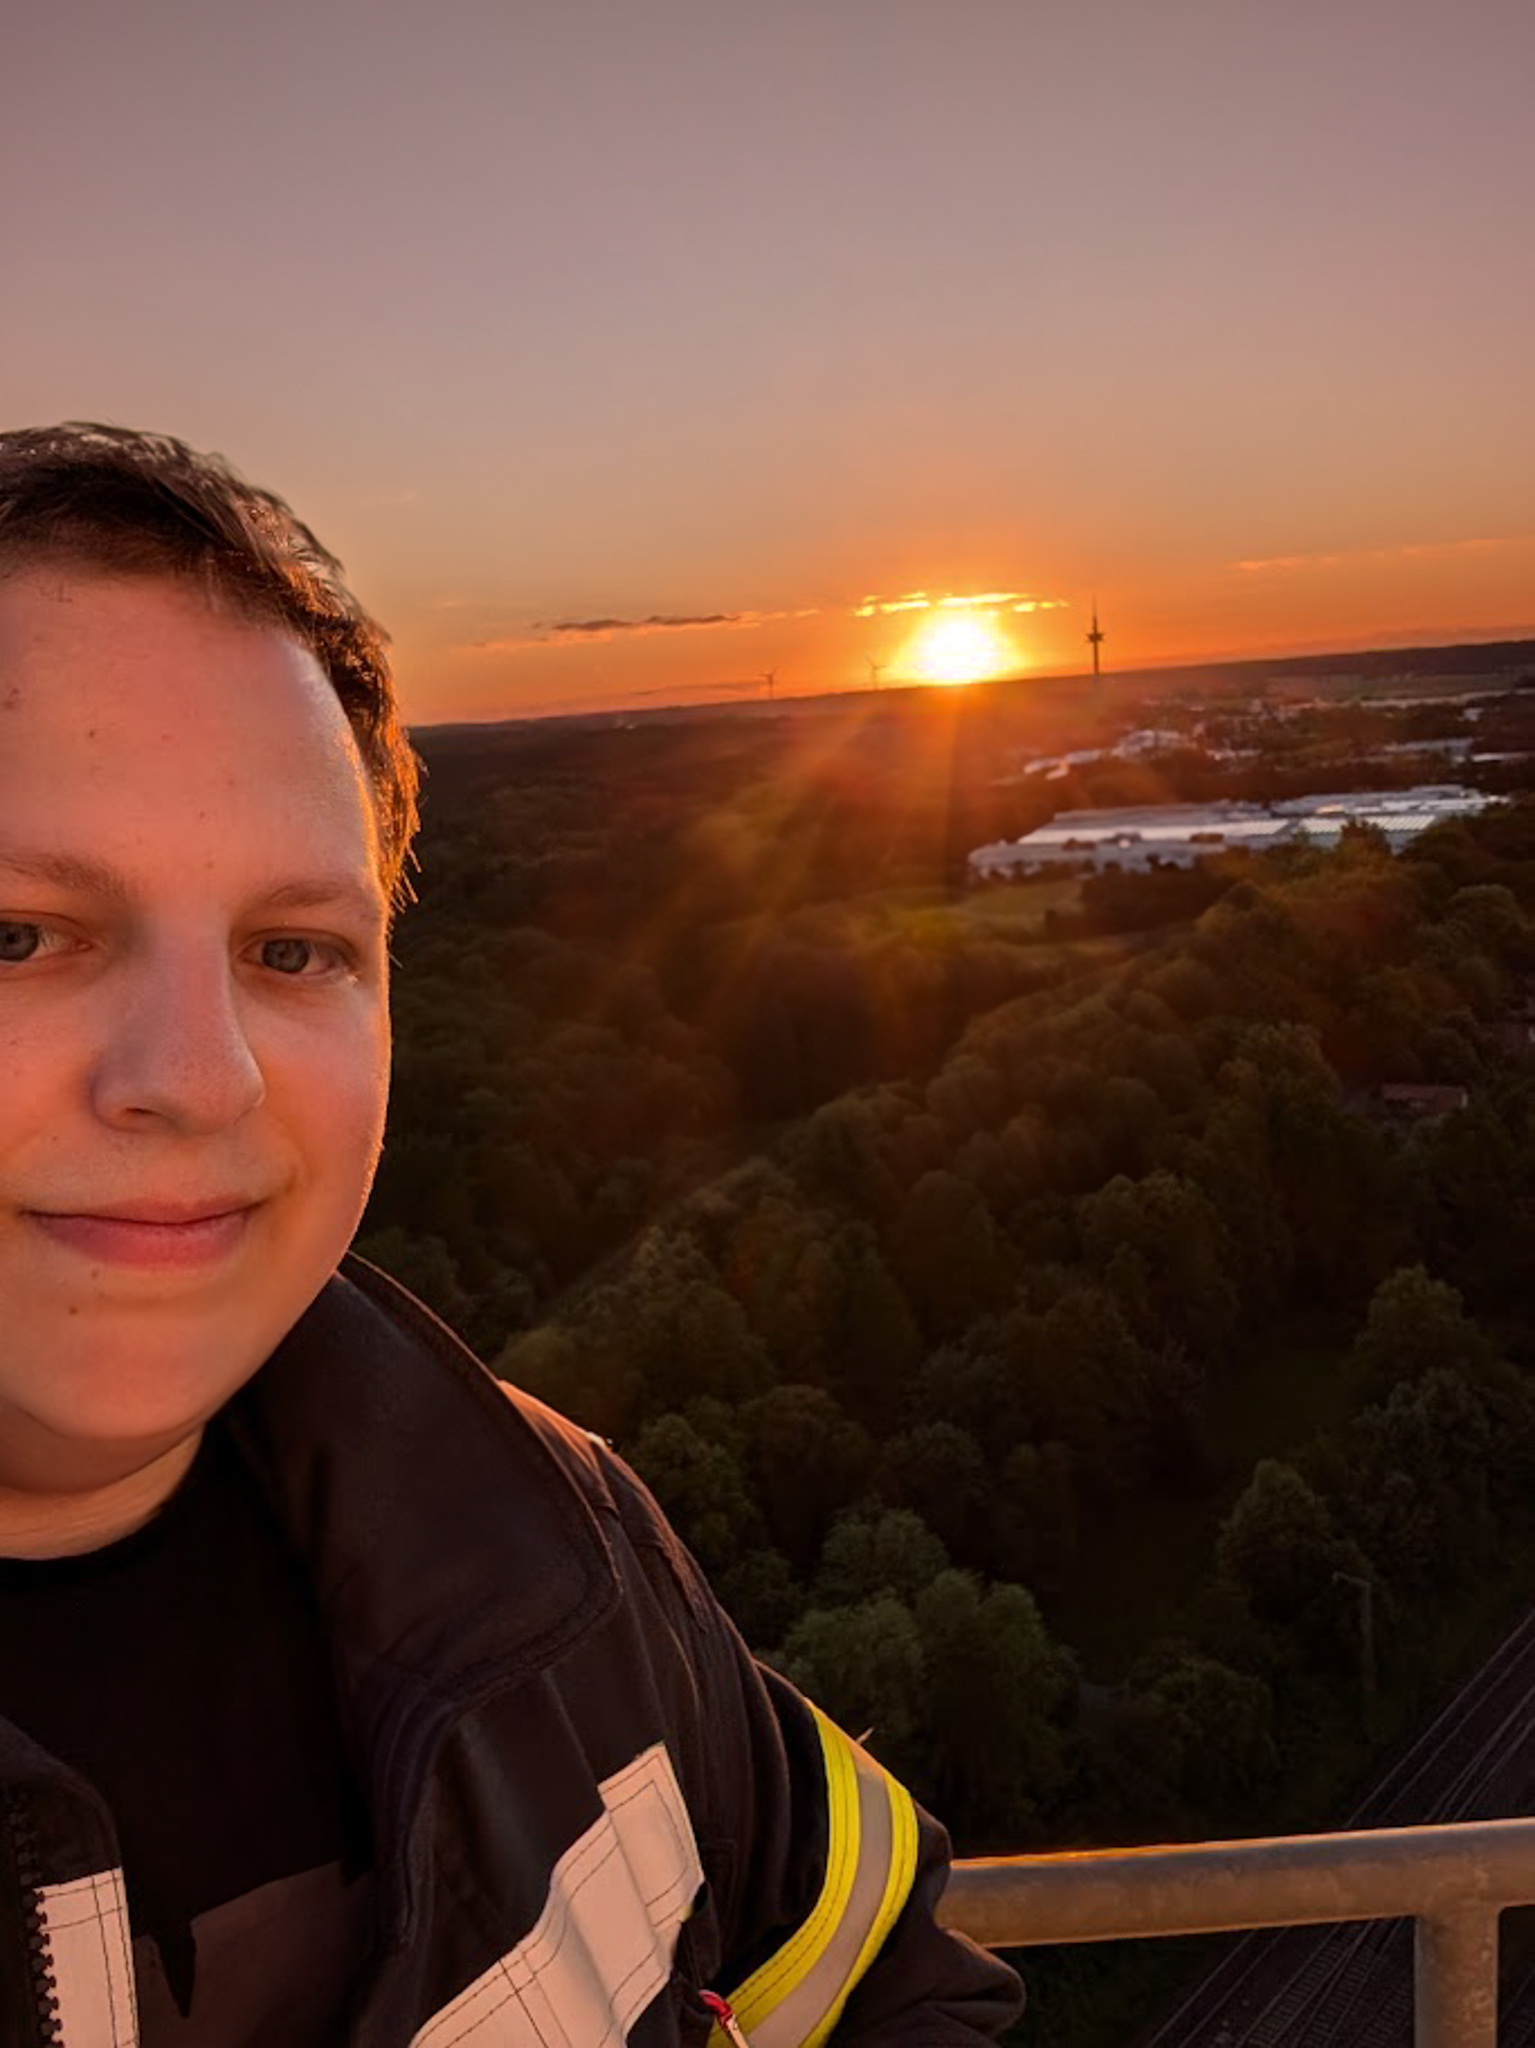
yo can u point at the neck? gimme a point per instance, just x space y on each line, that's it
37 1525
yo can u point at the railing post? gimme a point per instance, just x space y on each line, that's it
1456 1994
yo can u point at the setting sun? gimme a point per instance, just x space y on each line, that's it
959 647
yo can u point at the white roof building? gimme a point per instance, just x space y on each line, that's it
1140 837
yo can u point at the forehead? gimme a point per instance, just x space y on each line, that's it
141 726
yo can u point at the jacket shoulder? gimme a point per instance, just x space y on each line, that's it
612 1488
586 1462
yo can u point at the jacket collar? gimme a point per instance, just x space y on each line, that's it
437 1512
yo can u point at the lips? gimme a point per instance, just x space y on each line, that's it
141 1210
146 1243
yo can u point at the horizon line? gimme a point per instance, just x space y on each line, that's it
905 686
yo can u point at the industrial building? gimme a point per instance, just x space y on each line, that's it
1140 837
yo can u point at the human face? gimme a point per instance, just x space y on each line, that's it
180 1039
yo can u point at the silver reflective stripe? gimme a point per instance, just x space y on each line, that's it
602 1947
85 1926
796 1998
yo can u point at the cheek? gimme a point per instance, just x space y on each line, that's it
336 1097
40 1062
349 1114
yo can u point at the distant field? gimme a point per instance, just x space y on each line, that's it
1010 910
1007 913
1009 904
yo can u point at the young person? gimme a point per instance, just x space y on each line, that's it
346 1696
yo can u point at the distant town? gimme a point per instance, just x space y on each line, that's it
1475 723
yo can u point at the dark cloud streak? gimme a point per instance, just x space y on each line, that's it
657 622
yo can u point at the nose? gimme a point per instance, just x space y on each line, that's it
176 1047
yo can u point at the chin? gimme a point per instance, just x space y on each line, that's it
144 1378
145 1359
154 1405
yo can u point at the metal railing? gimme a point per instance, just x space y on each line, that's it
1453 1881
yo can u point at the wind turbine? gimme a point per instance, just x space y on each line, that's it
770 680
1096 637
876 670
1095 641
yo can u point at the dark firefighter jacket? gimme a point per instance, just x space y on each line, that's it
589 1803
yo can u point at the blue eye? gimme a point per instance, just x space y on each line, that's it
10 954
296 950
296 959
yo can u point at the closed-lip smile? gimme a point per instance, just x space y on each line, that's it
157 1212
152 1236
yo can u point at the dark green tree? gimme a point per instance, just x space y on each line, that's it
1280 1550
807 1460
870 1551
938 1471
1001 1701
702 1489
944 1247
864 1666
1414 1325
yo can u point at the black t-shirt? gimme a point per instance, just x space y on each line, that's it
182 1671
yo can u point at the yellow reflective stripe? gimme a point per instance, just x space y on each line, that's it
796 1998
903 1870
769 1986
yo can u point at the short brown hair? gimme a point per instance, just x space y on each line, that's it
124 503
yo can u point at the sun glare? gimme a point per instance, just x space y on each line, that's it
959 647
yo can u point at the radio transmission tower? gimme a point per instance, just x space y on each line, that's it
1095 641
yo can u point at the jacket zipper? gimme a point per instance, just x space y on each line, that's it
45 1995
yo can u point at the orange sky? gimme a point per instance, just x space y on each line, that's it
1416 593
548 317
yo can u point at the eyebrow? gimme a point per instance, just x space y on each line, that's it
88 877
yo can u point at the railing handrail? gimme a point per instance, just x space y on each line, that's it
1453 1880
1214 1887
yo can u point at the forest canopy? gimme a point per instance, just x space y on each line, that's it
1028 1304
